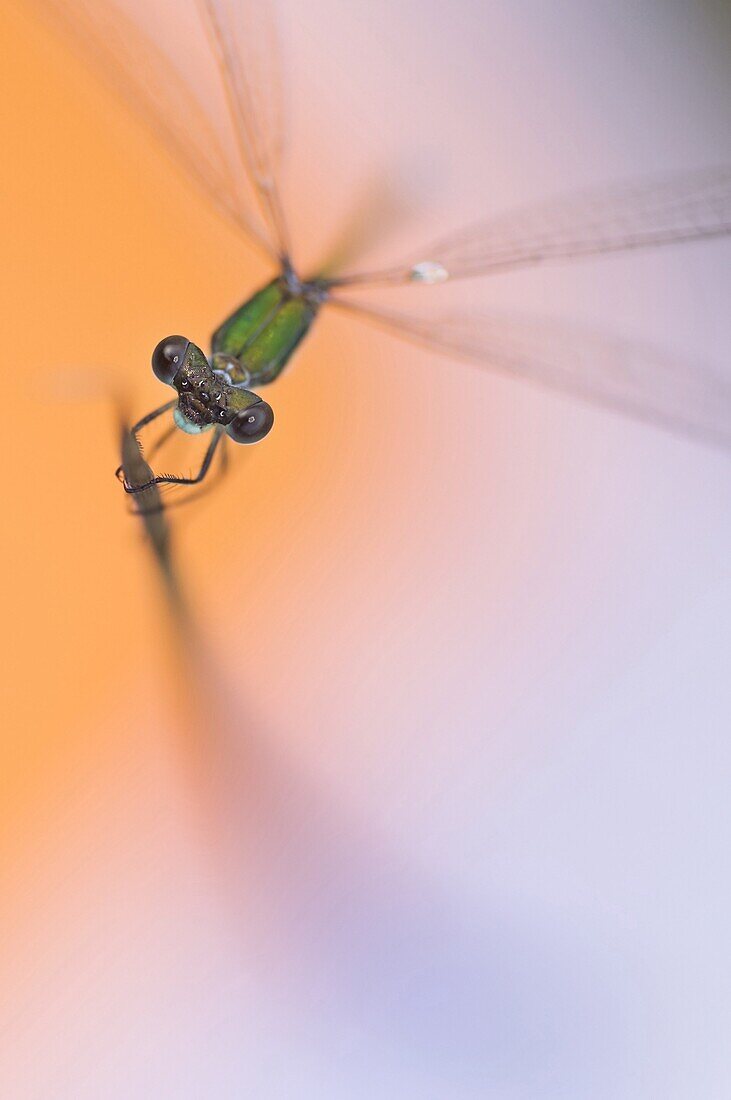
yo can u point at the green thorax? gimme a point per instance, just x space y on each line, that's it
263 333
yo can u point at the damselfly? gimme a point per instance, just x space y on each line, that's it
218 393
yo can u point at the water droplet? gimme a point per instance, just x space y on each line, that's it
428 271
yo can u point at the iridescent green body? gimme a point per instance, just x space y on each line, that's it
263 333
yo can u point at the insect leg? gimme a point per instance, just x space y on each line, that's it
170 479
152 416
119 472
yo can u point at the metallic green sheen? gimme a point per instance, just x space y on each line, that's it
264 332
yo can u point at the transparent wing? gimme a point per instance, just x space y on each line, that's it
244 38
631 215
145 77
628 377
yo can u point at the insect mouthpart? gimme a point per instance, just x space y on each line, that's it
189 418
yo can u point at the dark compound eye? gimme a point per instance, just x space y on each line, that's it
167 358
252 424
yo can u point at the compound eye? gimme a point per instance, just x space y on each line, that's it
252 424
167 358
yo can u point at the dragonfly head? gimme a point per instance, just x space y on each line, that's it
206 398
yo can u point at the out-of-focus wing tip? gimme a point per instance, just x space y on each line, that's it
147 504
